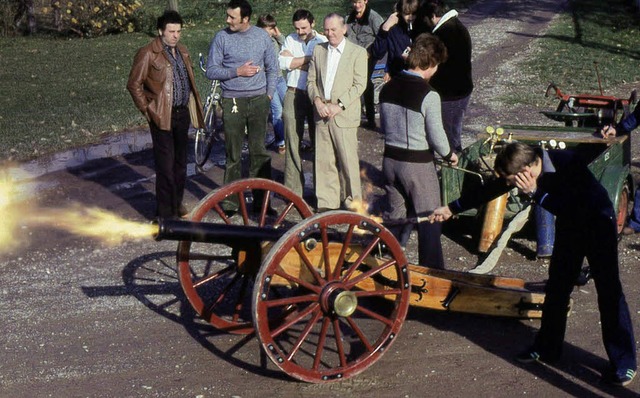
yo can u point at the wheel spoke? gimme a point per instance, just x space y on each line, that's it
291 278
223 293
237 308
360 334
373 271
290 300
294 319
304 334
374 315
264 207
361 258
220 212
343 254
339 344
309 266
213 276
325 252
242 203
284 213
320 348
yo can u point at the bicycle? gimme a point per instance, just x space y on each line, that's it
212 110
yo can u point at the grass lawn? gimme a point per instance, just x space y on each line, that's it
61 93
591 31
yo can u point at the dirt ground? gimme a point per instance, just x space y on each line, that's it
82 319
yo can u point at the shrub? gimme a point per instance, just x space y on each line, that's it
90 18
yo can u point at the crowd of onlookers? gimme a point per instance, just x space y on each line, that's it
318 80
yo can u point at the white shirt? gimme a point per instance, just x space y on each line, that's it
297 78
333 59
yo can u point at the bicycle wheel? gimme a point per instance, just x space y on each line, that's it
205 136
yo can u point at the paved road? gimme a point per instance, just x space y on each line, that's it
82 319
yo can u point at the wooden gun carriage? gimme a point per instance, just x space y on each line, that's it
325 294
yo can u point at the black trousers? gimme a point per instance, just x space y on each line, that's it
599 244
170 158
368 95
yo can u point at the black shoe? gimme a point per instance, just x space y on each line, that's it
584 277
371 125
620 378
528 356
531 355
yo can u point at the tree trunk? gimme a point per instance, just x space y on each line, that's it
173 5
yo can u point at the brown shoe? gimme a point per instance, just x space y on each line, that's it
628 231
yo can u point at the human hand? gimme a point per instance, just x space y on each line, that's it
525 182
608 131
453 159
248 69
333 110
386 77
440 214
322 108
405 53
390 22
286 53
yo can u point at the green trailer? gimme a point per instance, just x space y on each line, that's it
609 160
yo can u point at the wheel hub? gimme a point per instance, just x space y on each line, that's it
339 301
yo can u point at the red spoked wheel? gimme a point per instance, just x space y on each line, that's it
218 279
623 207
331 297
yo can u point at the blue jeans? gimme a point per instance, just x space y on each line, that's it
277 103
634 219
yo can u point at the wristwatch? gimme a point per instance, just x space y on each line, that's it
341 105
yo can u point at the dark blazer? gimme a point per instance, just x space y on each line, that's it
453 79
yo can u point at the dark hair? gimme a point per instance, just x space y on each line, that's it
169 16
407 7
301 14
243 5
266 21
435 7
426 51
514 157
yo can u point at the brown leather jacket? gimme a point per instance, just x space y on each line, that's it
151 85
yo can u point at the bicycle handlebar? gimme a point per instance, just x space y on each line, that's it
202 62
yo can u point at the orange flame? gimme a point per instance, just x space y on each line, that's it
92 222
361 206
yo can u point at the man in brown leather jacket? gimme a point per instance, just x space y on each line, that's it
162 86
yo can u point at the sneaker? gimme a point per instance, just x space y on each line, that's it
622 378
528 356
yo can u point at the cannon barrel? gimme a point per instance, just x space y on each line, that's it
229 234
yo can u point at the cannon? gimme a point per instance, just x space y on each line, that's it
326 294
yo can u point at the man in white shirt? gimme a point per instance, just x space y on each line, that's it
294 58
337 78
